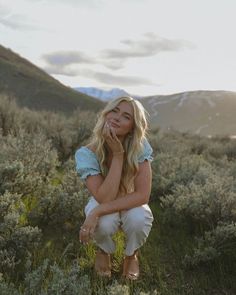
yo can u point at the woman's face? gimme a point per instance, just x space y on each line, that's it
121 119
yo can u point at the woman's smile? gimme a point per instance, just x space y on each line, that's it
114 125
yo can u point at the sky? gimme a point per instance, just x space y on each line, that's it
145 47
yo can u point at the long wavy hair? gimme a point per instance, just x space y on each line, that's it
132 143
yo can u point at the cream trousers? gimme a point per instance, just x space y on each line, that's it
136 223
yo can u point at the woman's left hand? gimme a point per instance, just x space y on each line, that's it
88 228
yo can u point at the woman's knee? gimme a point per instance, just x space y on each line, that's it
108 224
136 219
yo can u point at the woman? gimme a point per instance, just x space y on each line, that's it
117 172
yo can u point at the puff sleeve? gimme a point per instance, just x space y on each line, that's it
86 163
146 154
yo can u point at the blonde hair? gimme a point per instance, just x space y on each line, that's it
132 144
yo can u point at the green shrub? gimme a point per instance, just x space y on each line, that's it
7 288
66 134
170 171
216 244
206 200
17 239
9 117
51 279
62 204
27 163
194 179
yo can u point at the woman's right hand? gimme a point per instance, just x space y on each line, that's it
112 140
88 227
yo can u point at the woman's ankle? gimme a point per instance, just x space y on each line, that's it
102 251
133 255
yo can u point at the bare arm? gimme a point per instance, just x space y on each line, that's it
105 190
139 197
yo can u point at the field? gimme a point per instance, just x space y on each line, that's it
191 248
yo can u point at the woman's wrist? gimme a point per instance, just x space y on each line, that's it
95 212
118 153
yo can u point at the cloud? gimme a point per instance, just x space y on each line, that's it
150 45
60 70
65 62
65 58
60 62
115 59
120 80
113 64
102 77
15 21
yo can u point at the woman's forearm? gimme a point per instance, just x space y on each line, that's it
126 202
109 188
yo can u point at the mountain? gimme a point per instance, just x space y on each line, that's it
35 89
104 95
206 113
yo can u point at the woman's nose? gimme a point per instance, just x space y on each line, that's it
117 116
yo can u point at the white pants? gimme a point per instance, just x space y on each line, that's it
136 223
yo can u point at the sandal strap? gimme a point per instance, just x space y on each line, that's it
128 261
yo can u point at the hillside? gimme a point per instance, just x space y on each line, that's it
205 113
34 88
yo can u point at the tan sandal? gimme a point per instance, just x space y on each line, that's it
103 264
131 267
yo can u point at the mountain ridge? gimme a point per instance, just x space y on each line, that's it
30 86
203 112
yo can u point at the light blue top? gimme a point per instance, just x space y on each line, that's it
87 162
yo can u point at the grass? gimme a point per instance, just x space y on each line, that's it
160 260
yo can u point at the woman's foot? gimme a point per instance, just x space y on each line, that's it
103 264
131 267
